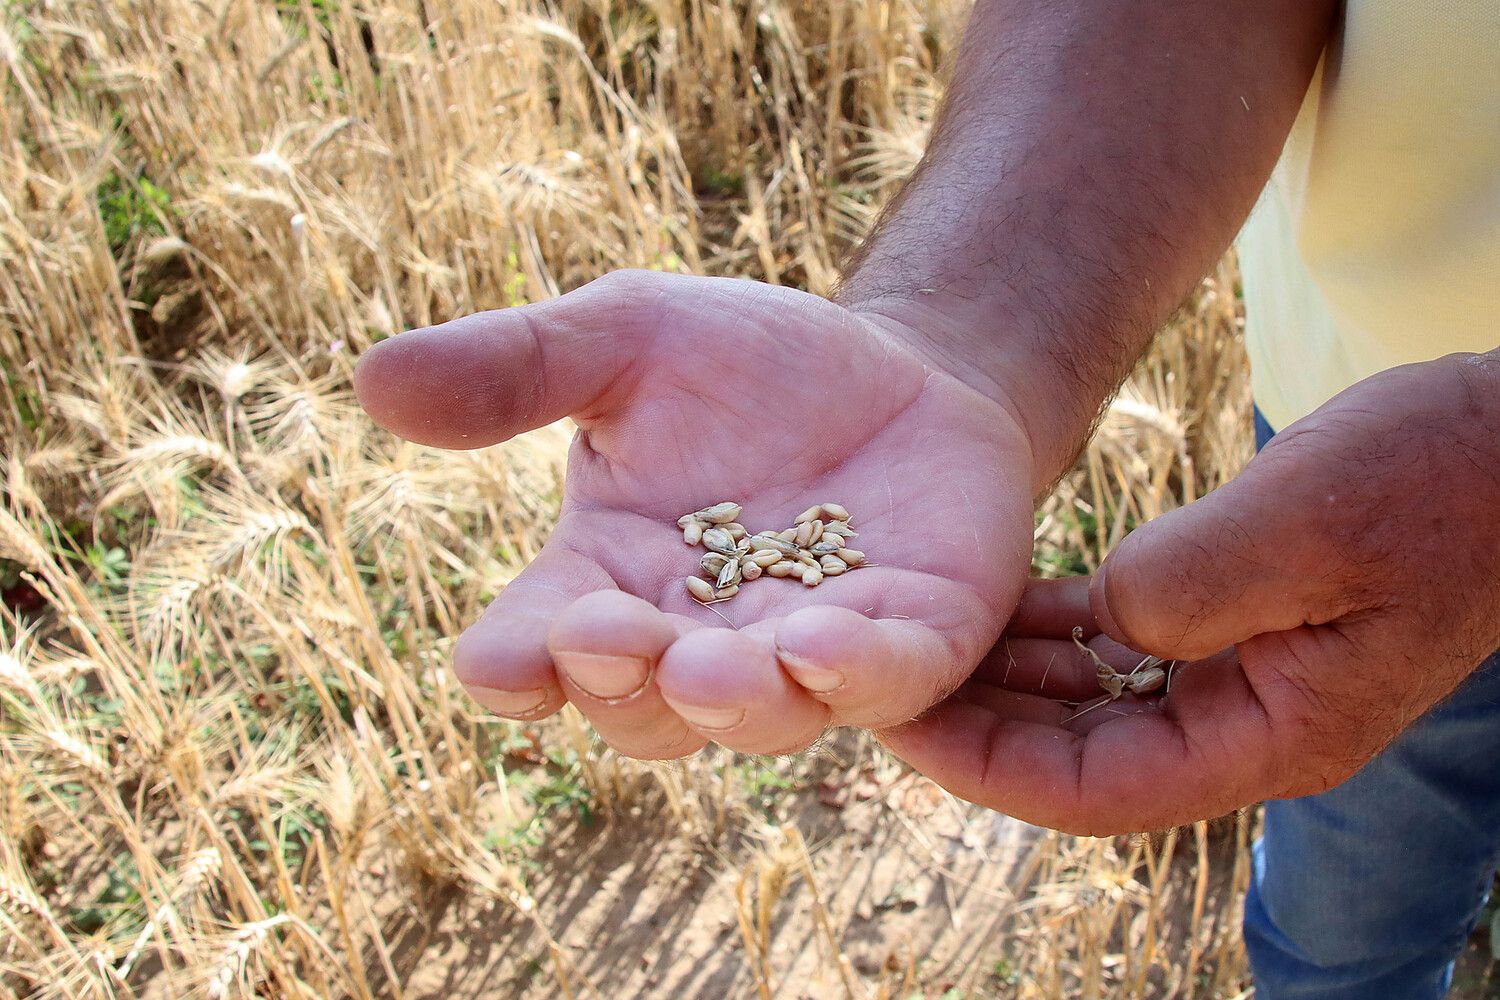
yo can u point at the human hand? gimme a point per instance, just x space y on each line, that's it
1352 568
689 391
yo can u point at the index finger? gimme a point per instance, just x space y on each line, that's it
1051 609
1207 751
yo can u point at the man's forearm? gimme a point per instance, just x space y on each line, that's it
1091 161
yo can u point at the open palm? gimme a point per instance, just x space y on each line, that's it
687 392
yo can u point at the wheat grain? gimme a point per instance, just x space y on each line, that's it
81 754
719 513
183 445
798 551
763 543
718 540
15 676
593 161
19 545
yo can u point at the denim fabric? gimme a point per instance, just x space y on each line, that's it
1263 431
1369 890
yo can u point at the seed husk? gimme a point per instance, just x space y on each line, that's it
771 543
1146 680
719 540
814 548
719 513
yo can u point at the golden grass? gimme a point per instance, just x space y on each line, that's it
231 759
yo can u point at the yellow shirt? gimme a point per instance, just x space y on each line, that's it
1377 240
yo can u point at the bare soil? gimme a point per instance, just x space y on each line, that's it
923 895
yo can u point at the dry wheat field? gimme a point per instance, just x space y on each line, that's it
232 762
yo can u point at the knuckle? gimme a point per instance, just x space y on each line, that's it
627 283
631 300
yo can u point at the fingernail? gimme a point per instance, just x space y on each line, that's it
814 678
507 702
707 718
604 676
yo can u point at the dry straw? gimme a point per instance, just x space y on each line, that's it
229 602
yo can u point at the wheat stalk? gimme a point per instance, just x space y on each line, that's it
191 261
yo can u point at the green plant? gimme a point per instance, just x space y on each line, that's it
130 207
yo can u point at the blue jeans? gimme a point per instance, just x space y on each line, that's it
1369 890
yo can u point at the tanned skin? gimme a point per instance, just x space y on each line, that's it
1091 162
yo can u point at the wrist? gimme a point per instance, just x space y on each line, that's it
1051 413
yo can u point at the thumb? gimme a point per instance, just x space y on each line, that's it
485 378
1252 557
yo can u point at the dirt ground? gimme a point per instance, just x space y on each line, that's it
917 895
